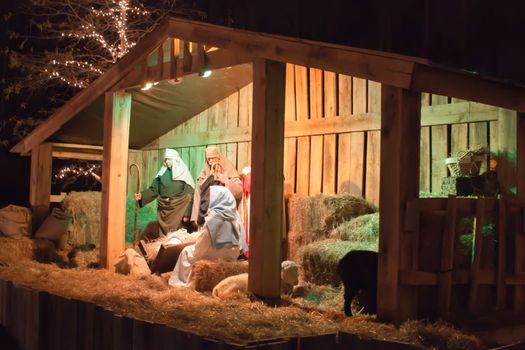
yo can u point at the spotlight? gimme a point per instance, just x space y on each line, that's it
205 72
147 86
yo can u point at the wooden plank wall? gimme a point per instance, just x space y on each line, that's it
321 162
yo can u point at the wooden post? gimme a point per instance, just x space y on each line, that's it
269 79
399 182
40 183
114 177
519 293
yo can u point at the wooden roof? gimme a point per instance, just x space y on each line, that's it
239 46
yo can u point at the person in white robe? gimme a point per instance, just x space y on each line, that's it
222 237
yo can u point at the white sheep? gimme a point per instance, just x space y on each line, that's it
239 283
132 263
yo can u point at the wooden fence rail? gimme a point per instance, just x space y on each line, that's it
477 249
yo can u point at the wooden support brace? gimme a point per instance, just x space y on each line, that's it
447 258
40 183
399 183
114 177
476 259
267 179
187 59
501 298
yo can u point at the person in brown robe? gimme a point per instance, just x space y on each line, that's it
173 188
223 172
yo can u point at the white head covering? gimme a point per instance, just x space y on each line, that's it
179 169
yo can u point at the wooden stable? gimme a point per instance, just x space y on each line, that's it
329 118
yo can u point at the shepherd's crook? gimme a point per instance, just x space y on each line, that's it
136 202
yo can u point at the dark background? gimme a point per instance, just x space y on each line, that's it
486 37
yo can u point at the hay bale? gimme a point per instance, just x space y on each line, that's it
14 250
323 213
296 240
84 208
320 259
207 274
364 228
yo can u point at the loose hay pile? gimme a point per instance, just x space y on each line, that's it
206 274
15 250
239 321
312 218
320 259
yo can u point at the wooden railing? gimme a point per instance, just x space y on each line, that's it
494 236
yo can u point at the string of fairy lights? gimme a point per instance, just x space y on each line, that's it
117 16
78 170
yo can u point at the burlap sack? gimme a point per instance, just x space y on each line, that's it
15 221
54 226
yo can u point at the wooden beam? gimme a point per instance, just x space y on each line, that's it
468 86
264 278
77 146
430 115
93 91
77 155
117 113
399 183
40 183
392 69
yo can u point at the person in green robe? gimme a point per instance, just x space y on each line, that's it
173 188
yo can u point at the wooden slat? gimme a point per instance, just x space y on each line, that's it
345 95
506 146
303 165
290 155
301 93
316 165
399 182
359 102
264 277
329 164
243 154
316 93
197 160
458 138
447 258
374 97
40 183
424 160
330 94
289 102
343 168
501 297
478 138
232 122
439 153
373 151
245 105
117 111
477 243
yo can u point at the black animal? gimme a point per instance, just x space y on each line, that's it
358 271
